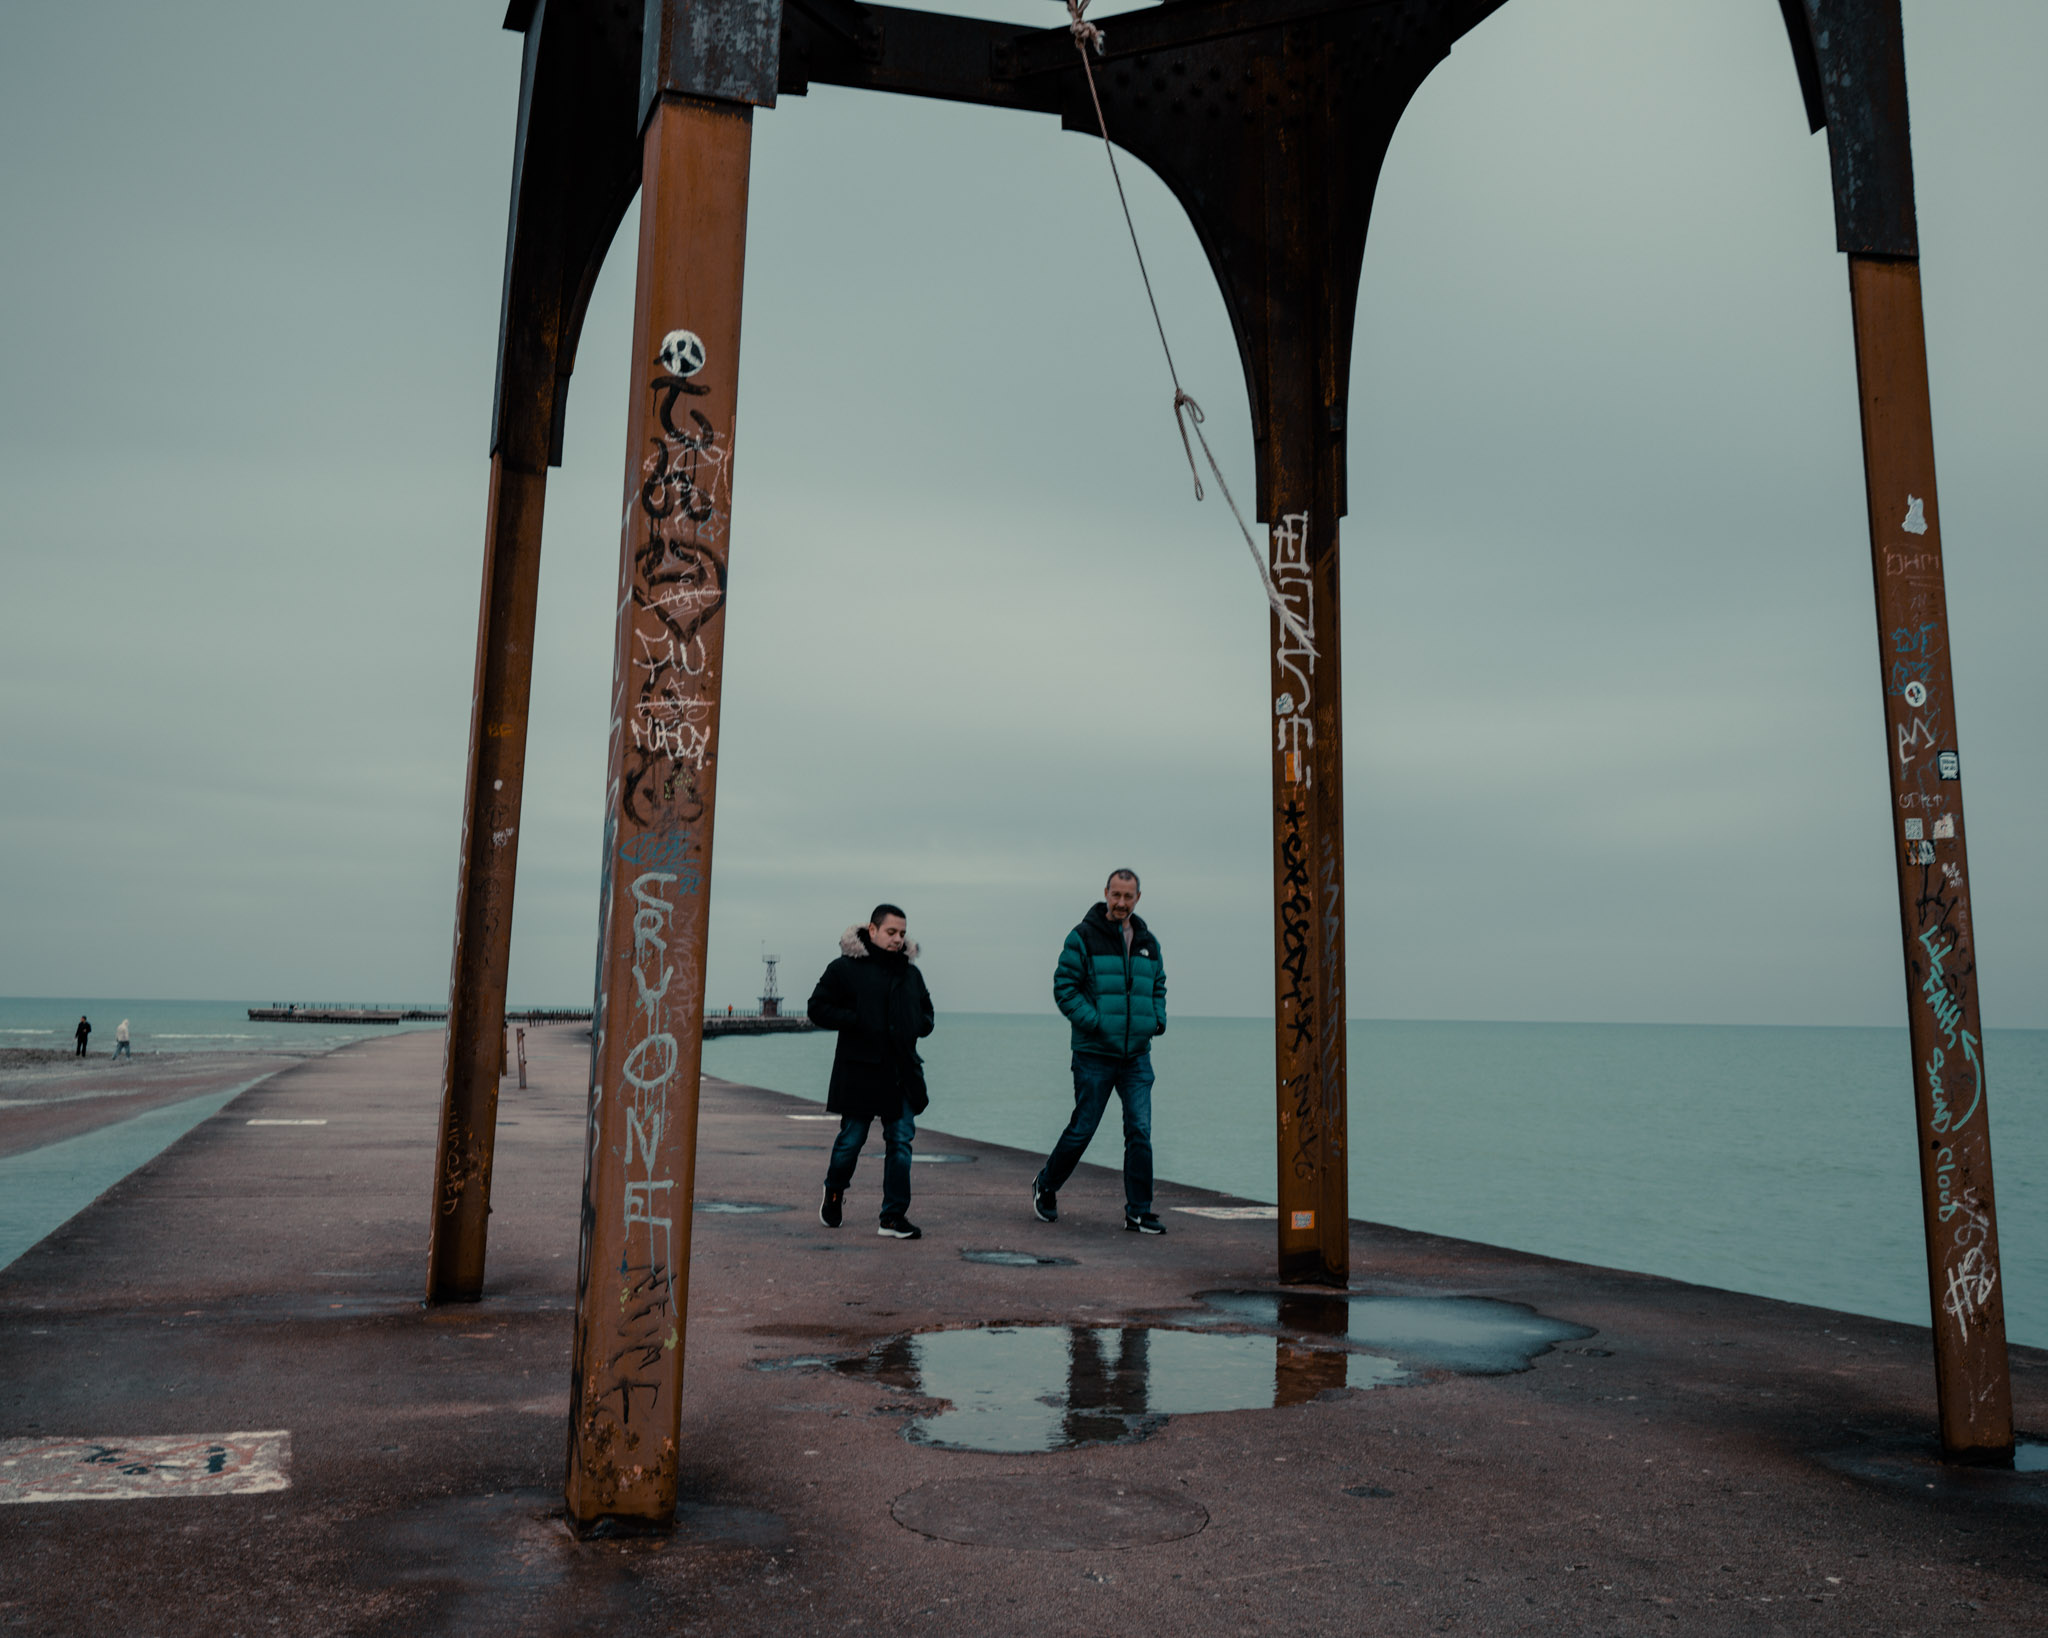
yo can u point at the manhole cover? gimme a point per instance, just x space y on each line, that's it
1047 1514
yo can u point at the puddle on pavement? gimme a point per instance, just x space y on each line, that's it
737 1208
2028 1458
943 1160
1015 1259
1055 1387
1474 1336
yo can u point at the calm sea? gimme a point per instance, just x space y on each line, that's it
174 1026
1775 1161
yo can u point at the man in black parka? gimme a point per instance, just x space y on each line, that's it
875 998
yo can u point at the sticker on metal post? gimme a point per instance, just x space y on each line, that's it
1301 1219
1912 830
1916 693
682 352
1944 827
1916 516
1950 764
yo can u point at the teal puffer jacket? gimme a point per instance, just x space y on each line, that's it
1116 1002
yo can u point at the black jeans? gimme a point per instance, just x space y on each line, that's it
1095 1078
897 1135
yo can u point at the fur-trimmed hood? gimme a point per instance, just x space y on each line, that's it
852 944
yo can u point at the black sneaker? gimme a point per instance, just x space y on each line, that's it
899 1228
1044 1201
829 1207
1143 1222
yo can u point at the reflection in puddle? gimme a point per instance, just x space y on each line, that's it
2029 1458
1475 1336
1052 1387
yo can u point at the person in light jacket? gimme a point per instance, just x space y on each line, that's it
121 1040
876 999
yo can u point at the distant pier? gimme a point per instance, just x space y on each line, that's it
732 1021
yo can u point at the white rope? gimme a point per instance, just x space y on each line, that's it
1187 414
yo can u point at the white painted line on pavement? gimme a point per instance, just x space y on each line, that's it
1248 1214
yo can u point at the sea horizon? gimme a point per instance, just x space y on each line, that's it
1777 1159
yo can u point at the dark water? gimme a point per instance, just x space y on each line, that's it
174 1026
1778 1161
1054 1387
1474 1336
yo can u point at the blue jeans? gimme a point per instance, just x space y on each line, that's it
1095 1078
897 1135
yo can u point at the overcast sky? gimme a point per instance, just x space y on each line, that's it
1614 727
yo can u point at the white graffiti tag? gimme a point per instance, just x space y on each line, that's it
1295 729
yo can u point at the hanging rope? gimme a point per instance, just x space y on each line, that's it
1187 414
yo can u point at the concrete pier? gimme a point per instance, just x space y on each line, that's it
1703 1462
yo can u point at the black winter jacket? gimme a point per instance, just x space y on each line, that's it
881 1009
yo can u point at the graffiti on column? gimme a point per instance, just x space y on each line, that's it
678 588
1940 958
653 866
1294 663
1329 1074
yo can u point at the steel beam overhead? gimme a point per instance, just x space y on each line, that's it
1269 121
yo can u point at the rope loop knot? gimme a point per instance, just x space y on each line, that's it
1084 32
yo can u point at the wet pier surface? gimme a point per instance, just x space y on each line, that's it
220 1377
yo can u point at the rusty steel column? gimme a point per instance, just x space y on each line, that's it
483 894
1303 369
633 1274
576 162
1952 1114
1308 902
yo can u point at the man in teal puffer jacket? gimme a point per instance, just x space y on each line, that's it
1110 985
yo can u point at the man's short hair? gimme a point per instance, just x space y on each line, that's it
1124 875
882 910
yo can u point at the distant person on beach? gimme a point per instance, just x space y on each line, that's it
121 1040
874 996
1110 985
79 1034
